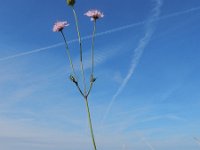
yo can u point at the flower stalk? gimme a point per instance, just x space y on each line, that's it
72 78
86 94
81 51
92 51
58 27
68 53
90 123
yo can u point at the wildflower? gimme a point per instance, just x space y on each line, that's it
71 2
94 14
59 26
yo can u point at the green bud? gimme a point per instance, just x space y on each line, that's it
71 77
92 79
71 2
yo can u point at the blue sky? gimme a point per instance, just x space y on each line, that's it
146 96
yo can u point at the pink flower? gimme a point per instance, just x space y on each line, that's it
94 14
59 26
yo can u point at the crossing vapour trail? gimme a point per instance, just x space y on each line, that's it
138 52
100 34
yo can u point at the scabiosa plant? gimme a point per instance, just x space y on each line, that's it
94 15
58 27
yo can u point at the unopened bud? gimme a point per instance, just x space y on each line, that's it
92 79
73 79
71 2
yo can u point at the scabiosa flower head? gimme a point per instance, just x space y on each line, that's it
59 26
94 14
71 2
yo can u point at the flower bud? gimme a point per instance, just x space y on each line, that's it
92 79
71 2
73 79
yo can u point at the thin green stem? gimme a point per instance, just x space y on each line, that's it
79 89
92 51
91 84
90 123
71 63
81 52
68 54
92 59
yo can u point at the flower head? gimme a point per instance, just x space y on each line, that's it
94 14
71 2
59 26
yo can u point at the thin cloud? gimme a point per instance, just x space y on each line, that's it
171 117
147 143
17 134
101 55
138 52
197 140
100 34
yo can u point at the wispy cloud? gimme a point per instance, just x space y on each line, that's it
17 134
147 143
197 140
138 51
102 54
172 117
125 27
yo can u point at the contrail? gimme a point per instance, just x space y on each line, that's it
137 52
100 34
31 52
71 41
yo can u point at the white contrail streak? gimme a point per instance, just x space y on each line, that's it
137 52
31 52
100 34
71 41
